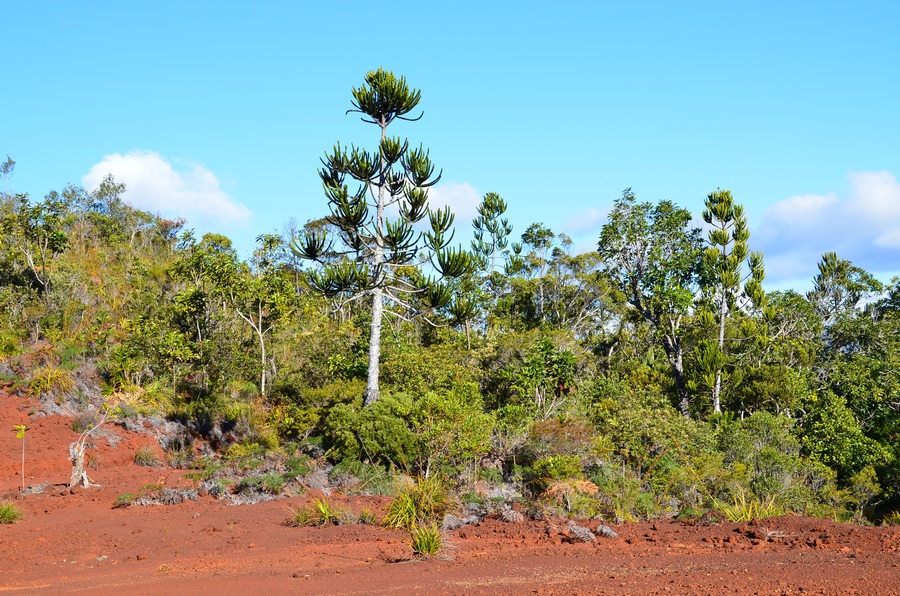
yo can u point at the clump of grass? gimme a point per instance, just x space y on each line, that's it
10 513
420 504
146 457
891 519
50 379
84 421
366 517
180 453
743 509
327 514
321 513
426 541
301 516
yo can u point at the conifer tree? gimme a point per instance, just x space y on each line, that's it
724 260
383 257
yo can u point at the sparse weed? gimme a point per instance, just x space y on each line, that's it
10 513
301 516
322 513
146 457
124 500
366 517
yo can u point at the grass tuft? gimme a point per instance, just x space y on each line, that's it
146 457
426 541
10 513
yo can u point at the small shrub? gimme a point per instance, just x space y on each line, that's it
272 483
358 477
298 466
556 468
325 513
426 541
48 380
10 513
146 457
124 500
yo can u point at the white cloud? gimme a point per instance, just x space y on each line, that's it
154 185
461 197
863 227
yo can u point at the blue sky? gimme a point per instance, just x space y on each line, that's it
220 111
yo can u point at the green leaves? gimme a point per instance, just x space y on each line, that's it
384 97
20 430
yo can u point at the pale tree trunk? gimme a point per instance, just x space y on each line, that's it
372 390
717 389
79 475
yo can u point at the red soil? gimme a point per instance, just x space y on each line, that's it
76 541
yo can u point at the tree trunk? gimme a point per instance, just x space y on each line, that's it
374 346
79 475
717 389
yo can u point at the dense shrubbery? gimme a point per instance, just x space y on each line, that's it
551 378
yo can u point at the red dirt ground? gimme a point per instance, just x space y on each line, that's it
77 542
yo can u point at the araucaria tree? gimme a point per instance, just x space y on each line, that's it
729 285
382 256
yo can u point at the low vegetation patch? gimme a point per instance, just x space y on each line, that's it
10 512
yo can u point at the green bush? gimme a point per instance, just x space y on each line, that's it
453 431
379 433
831 434
556 467
764 446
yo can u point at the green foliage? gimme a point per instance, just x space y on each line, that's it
363 478
555 468
10 512
422 503
50 380
744 509
832 435
379 433
765 452
453 431
546 378
426 541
